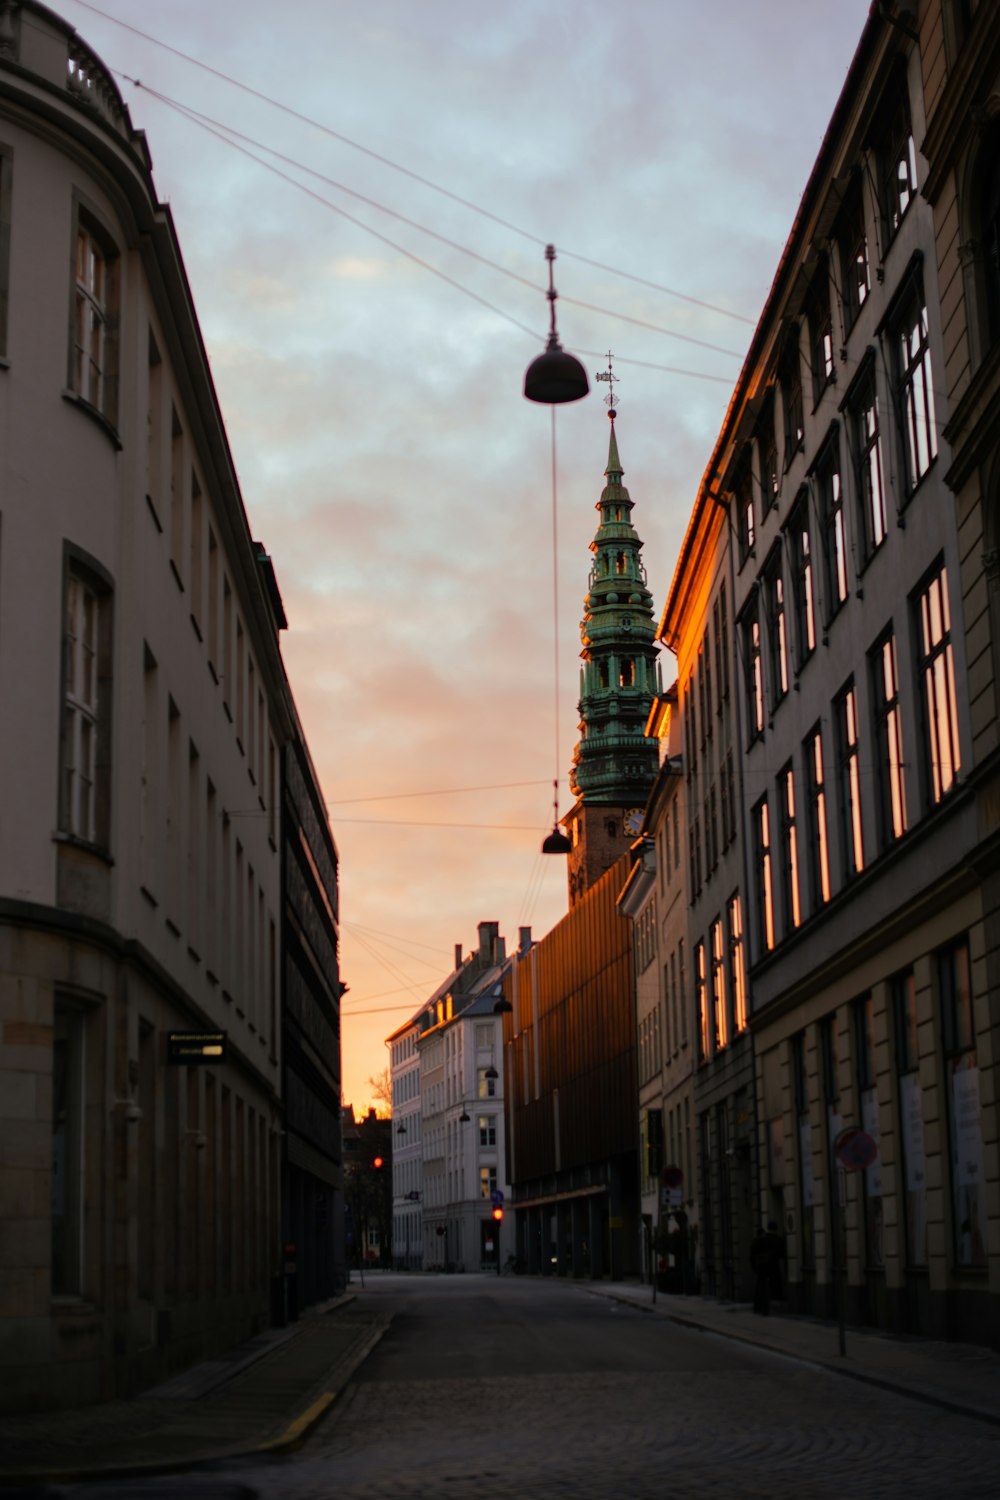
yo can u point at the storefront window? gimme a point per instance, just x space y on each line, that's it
911 1117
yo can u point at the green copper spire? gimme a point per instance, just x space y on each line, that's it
614 762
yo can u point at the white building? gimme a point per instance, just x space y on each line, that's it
454 1150
144 706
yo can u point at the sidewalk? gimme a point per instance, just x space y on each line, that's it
963 1378
262 1397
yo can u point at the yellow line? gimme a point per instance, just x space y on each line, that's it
302 1422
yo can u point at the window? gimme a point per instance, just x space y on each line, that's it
487 1130
487 1181
484 1035
721 624
762 866
911 1117
743 492
701 1001
6 175
94 370
968 1181
774 596
853 241
720 1002
750 627
829 1039
67 1149
898 160
85 780
915 380
821 333
989 237
845 713
800 1081
868 449
831 507
819 858
889 741
800 551
767 449
790 378
937 675
487 1085
706 667
789 849
737 961
871 1177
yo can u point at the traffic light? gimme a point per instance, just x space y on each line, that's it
498 1214
377 1162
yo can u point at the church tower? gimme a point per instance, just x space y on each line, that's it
615 762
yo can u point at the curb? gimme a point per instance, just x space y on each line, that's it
815 1361
287 1441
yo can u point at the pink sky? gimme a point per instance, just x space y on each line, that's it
387 457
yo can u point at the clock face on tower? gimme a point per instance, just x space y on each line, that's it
632 822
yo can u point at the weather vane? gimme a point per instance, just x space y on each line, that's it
610 400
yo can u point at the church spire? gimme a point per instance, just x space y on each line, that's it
615 762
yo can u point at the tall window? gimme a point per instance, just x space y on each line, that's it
722 643
821 333
701 1000
789 849
86 730
830 1058
898 159
762 864
720 1001
911 1116
871 1177
937 675
800 1082
6 175
487 1084
767 448
487 1181
67 1149
774 594
737 960
831 499
743 492
868 450
819 856
845 713
915 379
790 379
853 240
889 740
95 319
487 1130
800 548
750 627
958 1030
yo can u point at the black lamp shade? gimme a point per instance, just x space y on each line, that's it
555 376
557 843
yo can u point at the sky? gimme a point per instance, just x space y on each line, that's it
370 374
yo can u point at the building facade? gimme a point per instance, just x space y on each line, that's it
711 971
145 711
407 1156
312 1159
864 684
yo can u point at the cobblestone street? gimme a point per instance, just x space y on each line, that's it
533 1389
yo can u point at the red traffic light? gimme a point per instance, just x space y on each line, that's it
377 1162
498 1214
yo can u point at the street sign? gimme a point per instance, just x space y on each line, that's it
671 1197
496 1197
855 1149
673 1177
187 1047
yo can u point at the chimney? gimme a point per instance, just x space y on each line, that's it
458 955
489 936
523 939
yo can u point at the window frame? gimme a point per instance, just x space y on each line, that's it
764 874
773 579
847 741
799 525
928 657
104 304
819 317
817 822
790 381
887 730
86 718
827 474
